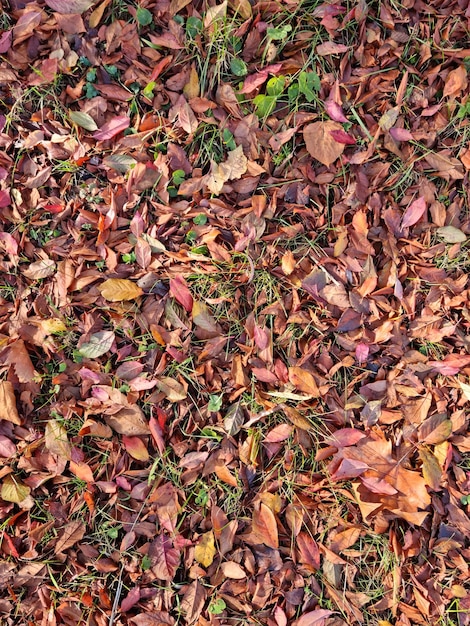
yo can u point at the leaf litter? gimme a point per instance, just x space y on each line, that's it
234 313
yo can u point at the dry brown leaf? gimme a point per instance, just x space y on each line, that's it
119 290
70 6
320 142
230 569
70 535
455 82
265 526
129 421
56 439
173 390
303 380
8 410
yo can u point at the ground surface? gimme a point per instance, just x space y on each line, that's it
234 312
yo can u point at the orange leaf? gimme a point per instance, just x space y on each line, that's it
304 381
136 448
8 410
265 526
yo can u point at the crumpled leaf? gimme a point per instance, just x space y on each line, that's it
320 143
119 290
231 169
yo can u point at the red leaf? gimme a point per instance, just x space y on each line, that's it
414 212
401 134
313 618
335 111
165 558
131 599
330 47
112 128
4 198
341 136
256 80
179 290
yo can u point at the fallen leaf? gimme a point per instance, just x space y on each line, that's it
98 344
119 290
455 82
234 419
193 601
70 6
180 291
414 212
112 128
8 410
451 234
230 569
320 144
164 558
70 535
231 169
13 490
265 526
136 448
56 439
313 618
205 549
129 421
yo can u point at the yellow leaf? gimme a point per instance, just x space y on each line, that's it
13 490
205 551
52 326
119 289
